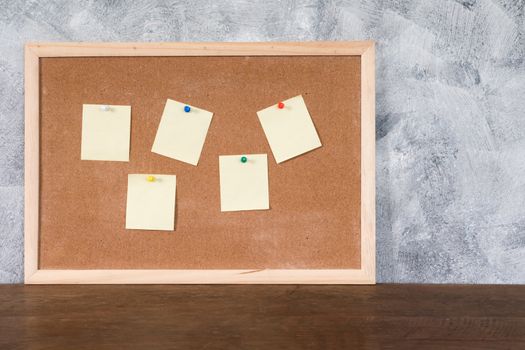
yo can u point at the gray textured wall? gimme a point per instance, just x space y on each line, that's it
450 114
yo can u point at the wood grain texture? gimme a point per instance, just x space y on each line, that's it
368 164
191 276
317 48
262 317
32 162
325 249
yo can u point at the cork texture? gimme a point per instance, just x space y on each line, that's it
314 216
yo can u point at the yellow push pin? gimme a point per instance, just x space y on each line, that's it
150 178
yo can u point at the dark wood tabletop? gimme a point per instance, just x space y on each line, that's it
262 317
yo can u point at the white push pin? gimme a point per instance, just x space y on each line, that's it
104 108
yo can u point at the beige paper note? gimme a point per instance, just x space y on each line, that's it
151 202
244 182
105 132
290 130
181 134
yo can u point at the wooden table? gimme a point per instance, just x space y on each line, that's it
262 317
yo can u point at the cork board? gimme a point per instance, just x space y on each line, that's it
314 221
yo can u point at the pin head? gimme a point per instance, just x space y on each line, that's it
104 108
244 159
280 105
187 109
150 178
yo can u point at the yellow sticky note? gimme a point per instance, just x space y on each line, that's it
151 202
105 132
289 130
244 182
182 132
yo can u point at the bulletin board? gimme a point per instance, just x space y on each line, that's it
321 224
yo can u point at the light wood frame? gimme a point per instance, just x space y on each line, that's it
364 275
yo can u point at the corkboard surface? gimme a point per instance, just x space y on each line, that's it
314 220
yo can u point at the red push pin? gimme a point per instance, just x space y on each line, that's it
280 105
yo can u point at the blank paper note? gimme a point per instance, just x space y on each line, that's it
182 131
244 182
151 202
105 132
289 129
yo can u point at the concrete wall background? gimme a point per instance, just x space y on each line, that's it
450 114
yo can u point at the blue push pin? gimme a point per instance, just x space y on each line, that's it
187 109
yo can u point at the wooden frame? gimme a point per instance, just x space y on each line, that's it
364 275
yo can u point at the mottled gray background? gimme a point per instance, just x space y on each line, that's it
450 114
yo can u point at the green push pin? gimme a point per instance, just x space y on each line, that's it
244 159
